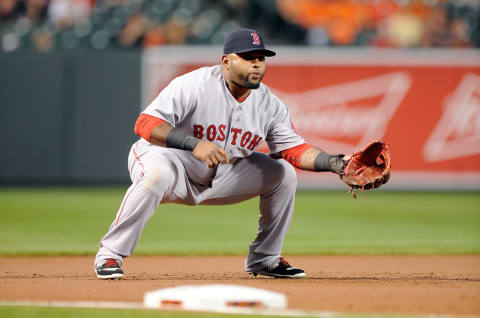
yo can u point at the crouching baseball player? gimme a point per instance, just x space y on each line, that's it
197 147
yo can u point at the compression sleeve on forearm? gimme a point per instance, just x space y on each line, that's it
294 154
180 140
326 162
323 161
145 124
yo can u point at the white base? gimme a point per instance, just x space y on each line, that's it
214 297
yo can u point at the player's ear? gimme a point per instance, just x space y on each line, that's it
226 61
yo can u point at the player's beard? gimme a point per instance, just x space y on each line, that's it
252 85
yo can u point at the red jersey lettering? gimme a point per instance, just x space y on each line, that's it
221 132
198 131
235 132
245 139
211 132
255 141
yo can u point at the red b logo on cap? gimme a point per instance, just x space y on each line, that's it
256 38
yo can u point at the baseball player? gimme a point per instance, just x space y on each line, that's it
197 146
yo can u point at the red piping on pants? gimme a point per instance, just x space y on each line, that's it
128 194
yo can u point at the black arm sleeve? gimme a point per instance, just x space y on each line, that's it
180 140
327 162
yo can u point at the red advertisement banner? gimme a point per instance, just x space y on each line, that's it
430 114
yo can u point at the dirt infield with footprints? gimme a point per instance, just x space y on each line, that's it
364 284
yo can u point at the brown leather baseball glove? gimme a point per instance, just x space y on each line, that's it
368 168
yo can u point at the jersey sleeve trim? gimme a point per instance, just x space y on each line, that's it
145 124
294 154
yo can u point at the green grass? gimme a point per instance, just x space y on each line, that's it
45 312
55 221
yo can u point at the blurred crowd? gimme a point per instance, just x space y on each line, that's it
46 25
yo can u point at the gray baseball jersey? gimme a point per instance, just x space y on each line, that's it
200 103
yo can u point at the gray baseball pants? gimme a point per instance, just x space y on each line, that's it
164 175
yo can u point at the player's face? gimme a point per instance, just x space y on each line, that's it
247 69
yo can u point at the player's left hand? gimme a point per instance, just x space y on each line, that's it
368 168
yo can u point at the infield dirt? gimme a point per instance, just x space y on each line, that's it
361 284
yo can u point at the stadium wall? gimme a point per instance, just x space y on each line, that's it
68 117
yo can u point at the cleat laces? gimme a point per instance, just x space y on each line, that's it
284 262
111 262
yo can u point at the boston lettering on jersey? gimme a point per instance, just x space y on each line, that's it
244 138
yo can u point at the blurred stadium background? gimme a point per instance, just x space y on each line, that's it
74 74
48 25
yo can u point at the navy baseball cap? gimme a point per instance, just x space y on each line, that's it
245 40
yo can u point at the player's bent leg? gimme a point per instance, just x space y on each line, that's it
155 178
276 212
275 181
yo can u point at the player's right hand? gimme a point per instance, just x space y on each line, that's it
210 153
